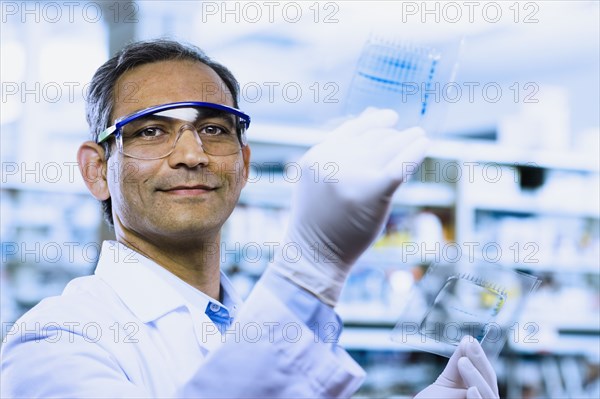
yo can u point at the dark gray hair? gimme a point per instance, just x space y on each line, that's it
100 97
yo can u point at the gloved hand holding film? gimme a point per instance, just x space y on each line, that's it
344 197
468 374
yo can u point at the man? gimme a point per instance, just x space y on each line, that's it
168 160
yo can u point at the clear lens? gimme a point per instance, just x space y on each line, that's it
155 135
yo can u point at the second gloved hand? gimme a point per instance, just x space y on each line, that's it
343 198
468 374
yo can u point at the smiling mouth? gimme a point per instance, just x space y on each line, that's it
188 190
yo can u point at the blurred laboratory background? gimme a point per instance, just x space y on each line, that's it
513 172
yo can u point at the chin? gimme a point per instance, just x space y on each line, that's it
189 227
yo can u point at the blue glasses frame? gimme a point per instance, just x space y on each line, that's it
116 128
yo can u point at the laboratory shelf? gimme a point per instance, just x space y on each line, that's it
532 205
373 339
275 191
486 153
425 195
283 135
587 345
265 194
367 314
483 152
584 266
379 339
70 186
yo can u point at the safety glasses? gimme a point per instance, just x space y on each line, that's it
153 133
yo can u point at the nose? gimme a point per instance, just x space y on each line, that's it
188 149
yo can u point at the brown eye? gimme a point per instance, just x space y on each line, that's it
212 130
150 132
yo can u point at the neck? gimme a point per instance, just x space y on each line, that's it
196 263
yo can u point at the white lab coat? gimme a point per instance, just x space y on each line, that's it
124 332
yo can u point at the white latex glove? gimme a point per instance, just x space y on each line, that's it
338 212
468 374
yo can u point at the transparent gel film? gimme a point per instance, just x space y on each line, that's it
407 75
452 301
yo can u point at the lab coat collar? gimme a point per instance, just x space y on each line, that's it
142 290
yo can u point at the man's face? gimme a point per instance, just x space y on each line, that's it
188 194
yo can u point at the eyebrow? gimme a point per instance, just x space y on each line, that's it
219 115
146 119
224 117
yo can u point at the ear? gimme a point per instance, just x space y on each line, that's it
246 155
92 165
